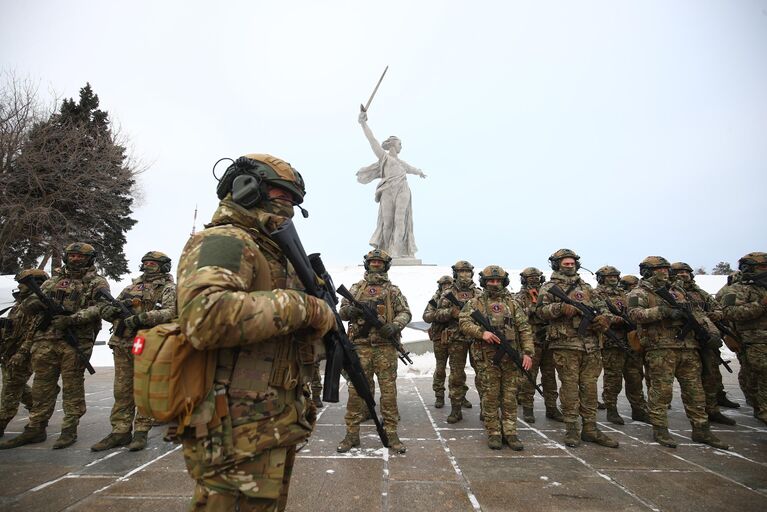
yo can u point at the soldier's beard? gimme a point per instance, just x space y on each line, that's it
568 271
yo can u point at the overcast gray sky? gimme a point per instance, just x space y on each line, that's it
618 129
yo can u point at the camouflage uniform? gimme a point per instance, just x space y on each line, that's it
746 381
376 352
499 382
619 363
578 358
440 347
234 297
745 305
458 344
527 297
667 356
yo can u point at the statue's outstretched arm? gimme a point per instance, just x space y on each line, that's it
377 149
412 170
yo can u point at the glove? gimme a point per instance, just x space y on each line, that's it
601 323
455 312
715 316
390 330
355 313
19 359
134 322
61 322
319 316
671 313
570 311
109 312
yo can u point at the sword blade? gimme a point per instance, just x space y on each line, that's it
367 105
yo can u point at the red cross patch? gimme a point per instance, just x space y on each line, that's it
138 345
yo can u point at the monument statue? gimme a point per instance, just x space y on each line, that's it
394 229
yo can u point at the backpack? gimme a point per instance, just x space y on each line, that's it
170 376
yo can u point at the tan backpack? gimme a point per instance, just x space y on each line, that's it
170 376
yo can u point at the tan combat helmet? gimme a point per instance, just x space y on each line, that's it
444 281
561 254
81 248
38 274
650 263
246 178
747 263
462 265
377 254
629 282
531 272
679 266
605 271
160 257
493 272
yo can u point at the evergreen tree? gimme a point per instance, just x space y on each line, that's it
722 269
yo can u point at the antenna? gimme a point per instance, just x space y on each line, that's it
194 221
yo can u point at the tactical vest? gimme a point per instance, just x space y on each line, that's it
753 331
617 299
73 294
450 332
145 295
528 297
379 298
663 334
562 332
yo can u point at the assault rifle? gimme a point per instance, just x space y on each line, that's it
433 303
691 324
371 320
340 351
730 337
124 311
54 309
588 314
505 348
633 338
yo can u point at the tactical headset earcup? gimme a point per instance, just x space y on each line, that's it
246 190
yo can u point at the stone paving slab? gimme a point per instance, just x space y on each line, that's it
447 467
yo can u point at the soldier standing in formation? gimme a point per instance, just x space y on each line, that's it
532 279
375 348
235 297
745 381
499 381
440 346
75 289
447 314
16 363
578 358
619 362
152 300
628 282
666 355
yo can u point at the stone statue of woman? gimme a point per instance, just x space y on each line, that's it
394 230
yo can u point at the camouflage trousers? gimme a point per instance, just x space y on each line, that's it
259 484
124 409
458 352
15 391
619 366
543 360
662 366
578 372
381 361
499 385
756 359
316 382
711 379
51 359
746 379
441 354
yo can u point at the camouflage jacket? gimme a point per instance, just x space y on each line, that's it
562 332
743 304
505 314
435 329
154 295
233 297
617 298
385 298
527 298
22 327
447 313
700 299
75 291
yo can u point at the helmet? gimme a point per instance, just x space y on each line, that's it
462 265
248 176
752 259
680 266
81 248
377 254
159 257
37 273
628 281
650 263
605 271
493 272
561 254
531 272
442 281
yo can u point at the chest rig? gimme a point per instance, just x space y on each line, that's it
145 295
68 292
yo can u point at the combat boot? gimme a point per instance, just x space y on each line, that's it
718 417
703 434
395 444
514 443
553 413
639 414
113 440
139 441
350 441
601 406
613 416
67 438
465 403
29 436
662 437
723 401
455 414
318 402
591 434
528 415
572 438
494 442
439 401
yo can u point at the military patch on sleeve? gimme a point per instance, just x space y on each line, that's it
633 301
221 251
729 299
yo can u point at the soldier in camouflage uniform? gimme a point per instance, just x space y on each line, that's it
619 363
532 279
440 347
747 384
75 289
708 307
375 349
667 356
745 305
446 316
236 295
499 382
577 357
628 283
16 364
152 300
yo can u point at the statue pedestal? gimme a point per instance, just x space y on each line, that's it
409 262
